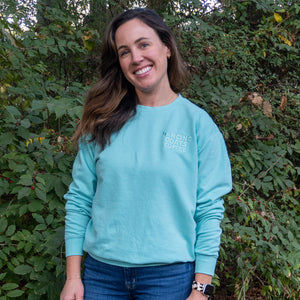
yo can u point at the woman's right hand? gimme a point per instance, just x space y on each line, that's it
73 290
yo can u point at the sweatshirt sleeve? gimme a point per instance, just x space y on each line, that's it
79 198
214 181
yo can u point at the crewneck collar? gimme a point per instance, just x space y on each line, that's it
159 108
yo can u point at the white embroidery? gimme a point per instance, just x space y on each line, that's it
176 142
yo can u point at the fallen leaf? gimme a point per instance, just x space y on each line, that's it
285 40
283 102
239 127
270 137
267 109
254 98
277 17
257 100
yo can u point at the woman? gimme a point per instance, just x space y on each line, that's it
145 202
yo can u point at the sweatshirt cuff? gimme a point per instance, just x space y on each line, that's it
74 246
205 264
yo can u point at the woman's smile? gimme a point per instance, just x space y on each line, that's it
143 70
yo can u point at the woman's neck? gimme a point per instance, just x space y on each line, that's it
156 99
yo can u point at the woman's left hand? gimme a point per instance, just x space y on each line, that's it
195 295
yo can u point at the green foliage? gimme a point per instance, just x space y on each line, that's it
42 87
243 56
35 172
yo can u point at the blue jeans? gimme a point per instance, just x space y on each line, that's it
107 282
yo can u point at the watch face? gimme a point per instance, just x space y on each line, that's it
208 289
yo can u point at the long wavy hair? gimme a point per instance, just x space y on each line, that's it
112 101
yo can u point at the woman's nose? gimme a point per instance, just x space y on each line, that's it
136 56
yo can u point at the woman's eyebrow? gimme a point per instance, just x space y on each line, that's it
137 41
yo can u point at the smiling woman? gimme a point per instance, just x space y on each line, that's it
114 96
145 202
143 59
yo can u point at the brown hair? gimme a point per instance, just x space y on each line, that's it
111 102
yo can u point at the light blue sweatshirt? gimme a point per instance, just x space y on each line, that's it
153 196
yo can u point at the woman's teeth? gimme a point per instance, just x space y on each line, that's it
143 71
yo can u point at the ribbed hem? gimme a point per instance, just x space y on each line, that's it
205 264
74 247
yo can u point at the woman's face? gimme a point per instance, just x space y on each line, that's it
143 57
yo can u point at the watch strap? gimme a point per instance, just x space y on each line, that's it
206 289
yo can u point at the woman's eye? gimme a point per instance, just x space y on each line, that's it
144 45
123 53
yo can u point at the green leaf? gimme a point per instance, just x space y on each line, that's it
20 245
24 192
34 206
54 49
50 42
25 180
32 53
23 133
62 167
251 162
61 42
15 293
49 219
28 247
25 123
3 256
267 178
3 224
14 166
296 266
6 139
9 286
13 111
38 105
40 179
38 218
23 269
43 50
10 230
275 229
40 227
2 275
14 261
38 263
40 194
35 120
62 49
49 159
23 209
60 189
290 236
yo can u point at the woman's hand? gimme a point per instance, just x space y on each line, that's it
73 290
195 295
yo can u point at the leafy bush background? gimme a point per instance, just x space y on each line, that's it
244 60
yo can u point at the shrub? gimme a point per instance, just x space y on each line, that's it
244 74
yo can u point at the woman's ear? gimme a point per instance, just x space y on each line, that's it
169 53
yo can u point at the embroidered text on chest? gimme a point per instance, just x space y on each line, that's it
176 142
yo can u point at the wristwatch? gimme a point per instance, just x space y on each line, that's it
206 289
